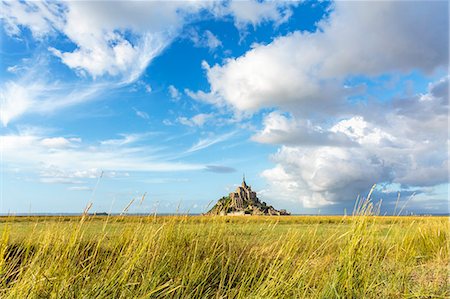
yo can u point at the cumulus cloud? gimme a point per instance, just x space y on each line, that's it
283 129
256 12
307 71
204 97
325 175
403 146
112 44
331 147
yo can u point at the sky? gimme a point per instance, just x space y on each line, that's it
315 102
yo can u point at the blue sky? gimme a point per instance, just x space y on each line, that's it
314 101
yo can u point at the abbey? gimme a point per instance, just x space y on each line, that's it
243 201
244 196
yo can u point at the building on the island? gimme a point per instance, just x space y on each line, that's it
243 201
243 196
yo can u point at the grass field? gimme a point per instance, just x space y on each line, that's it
361 256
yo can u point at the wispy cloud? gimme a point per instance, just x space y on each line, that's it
210 141
197 120
31 93
126 139
113 46
72 164
174 93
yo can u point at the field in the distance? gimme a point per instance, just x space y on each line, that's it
224 257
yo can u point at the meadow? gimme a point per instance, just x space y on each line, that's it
359 256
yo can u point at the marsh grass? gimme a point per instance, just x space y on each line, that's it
359 256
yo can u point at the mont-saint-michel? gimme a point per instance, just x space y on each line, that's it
243 201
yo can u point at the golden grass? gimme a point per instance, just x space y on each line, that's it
362 256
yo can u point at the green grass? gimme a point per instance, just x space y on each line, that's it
225 257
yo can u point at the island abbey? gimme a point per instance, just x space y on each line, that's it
243 196
243 201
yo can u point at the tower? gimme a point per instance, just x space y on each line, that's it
244 184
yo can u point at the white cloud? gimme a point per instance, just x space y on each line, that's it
121 39
361 132
325 175
142 114
113 44
334 149
59 180
212 41
14 68
282 129
206 40
254 12
306 71
147 88
34 91
167 122
40 17
34 96
205 97
59 142
127 139
210 141
174 93
118 40
123 59
54 172
404 146
16 99
197 120
57 161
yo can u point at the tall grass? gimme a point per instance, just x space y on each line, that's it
359 256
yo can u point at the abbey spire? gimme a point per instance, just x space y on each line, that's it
244 184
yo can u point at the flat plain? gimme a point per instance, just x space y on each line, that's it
363 256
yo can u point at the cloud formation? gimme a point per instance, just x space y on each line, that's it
254 12
59 159
197 120
116 40
307 71
207 39
331 147
109 46
403 146
282 129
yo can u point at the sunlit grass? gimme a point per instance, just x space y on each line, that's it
362 256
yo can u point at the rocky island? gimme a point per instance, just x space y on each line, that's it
243 201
